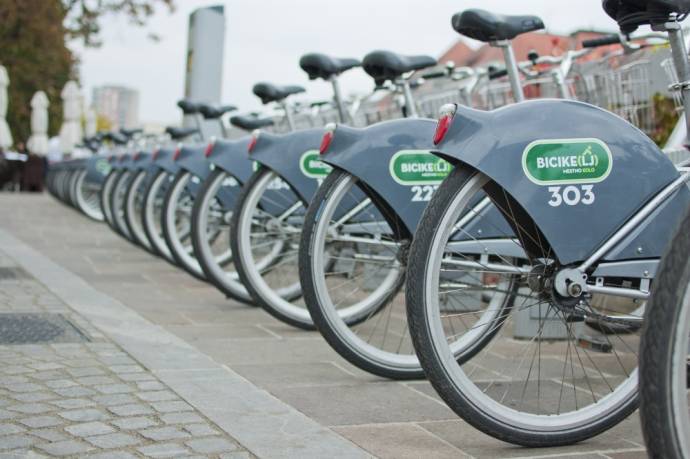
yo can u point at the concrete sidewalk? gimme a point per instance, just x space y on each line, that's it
266 388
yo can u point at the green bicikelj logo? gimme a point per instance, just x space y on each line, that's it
311 165
561 161
418 167
103 167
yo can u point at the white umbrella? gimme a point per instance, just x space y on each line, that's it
90 126
70 131
38 142
5 134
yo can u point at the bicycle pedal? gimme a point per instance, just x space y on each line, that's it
597 345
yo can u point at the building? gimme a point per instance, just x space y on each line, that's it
204 64
118 104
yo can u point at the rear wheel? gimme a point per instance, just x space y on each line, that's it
87 197
104 196
352 270
117 204
266 224
211 233
546 377
151 213
177 223
134 198
665 355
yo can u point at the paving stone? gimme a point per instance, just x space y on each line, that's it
41 421
211 445
150 385
135 423
76 391
181 418
23 387
66 448
84 415
157 396
50 434
6 429
60 383
111 455
134 409
46 366
31 408
114 388
48 375
200 430
136 377
34 396
88 429
85 371
164 433
115 399
169 407
114 440
94 380
237 455
16 441
126 369
72 403
163 450
4 414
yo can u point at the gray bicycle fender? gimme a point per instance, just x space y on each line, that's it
579 171
193 160
374 154
232 157
291 156
97 168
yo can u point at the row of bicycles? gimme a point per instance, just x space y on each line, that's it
530 260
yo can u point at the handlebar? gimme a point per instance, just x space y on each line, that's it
602 41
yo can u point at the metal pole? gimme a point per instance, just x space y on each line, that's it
411 110
288 115
680 62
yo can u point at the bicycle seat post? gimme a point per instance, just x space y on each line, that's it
410 108
511 68
338 98
682 66
288 114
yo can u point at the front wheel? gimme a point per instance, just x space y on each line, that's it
665 355
480 266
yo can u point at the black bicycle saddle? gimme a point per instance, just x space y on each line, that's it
180 133
630 14
486 26
188 107
250 122
129 133
209 111
322 66
268 92
386 65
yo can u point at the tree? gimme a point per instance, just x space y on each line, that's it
33 39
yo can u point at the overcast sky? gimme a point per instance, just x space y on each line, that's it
265 38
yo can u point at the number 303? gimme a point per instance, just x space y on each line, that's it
571 195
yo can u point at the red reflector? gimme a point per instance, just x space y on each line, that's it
155 153
326 142
327 138
255 138
176 155
122 158
209 149
136 156
447 113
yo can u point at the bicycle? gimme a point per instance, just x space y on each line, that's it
570 262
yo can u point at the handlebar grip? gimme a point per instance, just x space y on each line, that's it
601 41
432 75
497 73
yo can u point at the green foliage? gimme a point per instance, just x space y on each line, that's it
32 40
665 116
33 44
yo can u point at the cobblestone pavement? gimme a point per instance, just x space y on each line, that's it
88 398
387 419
